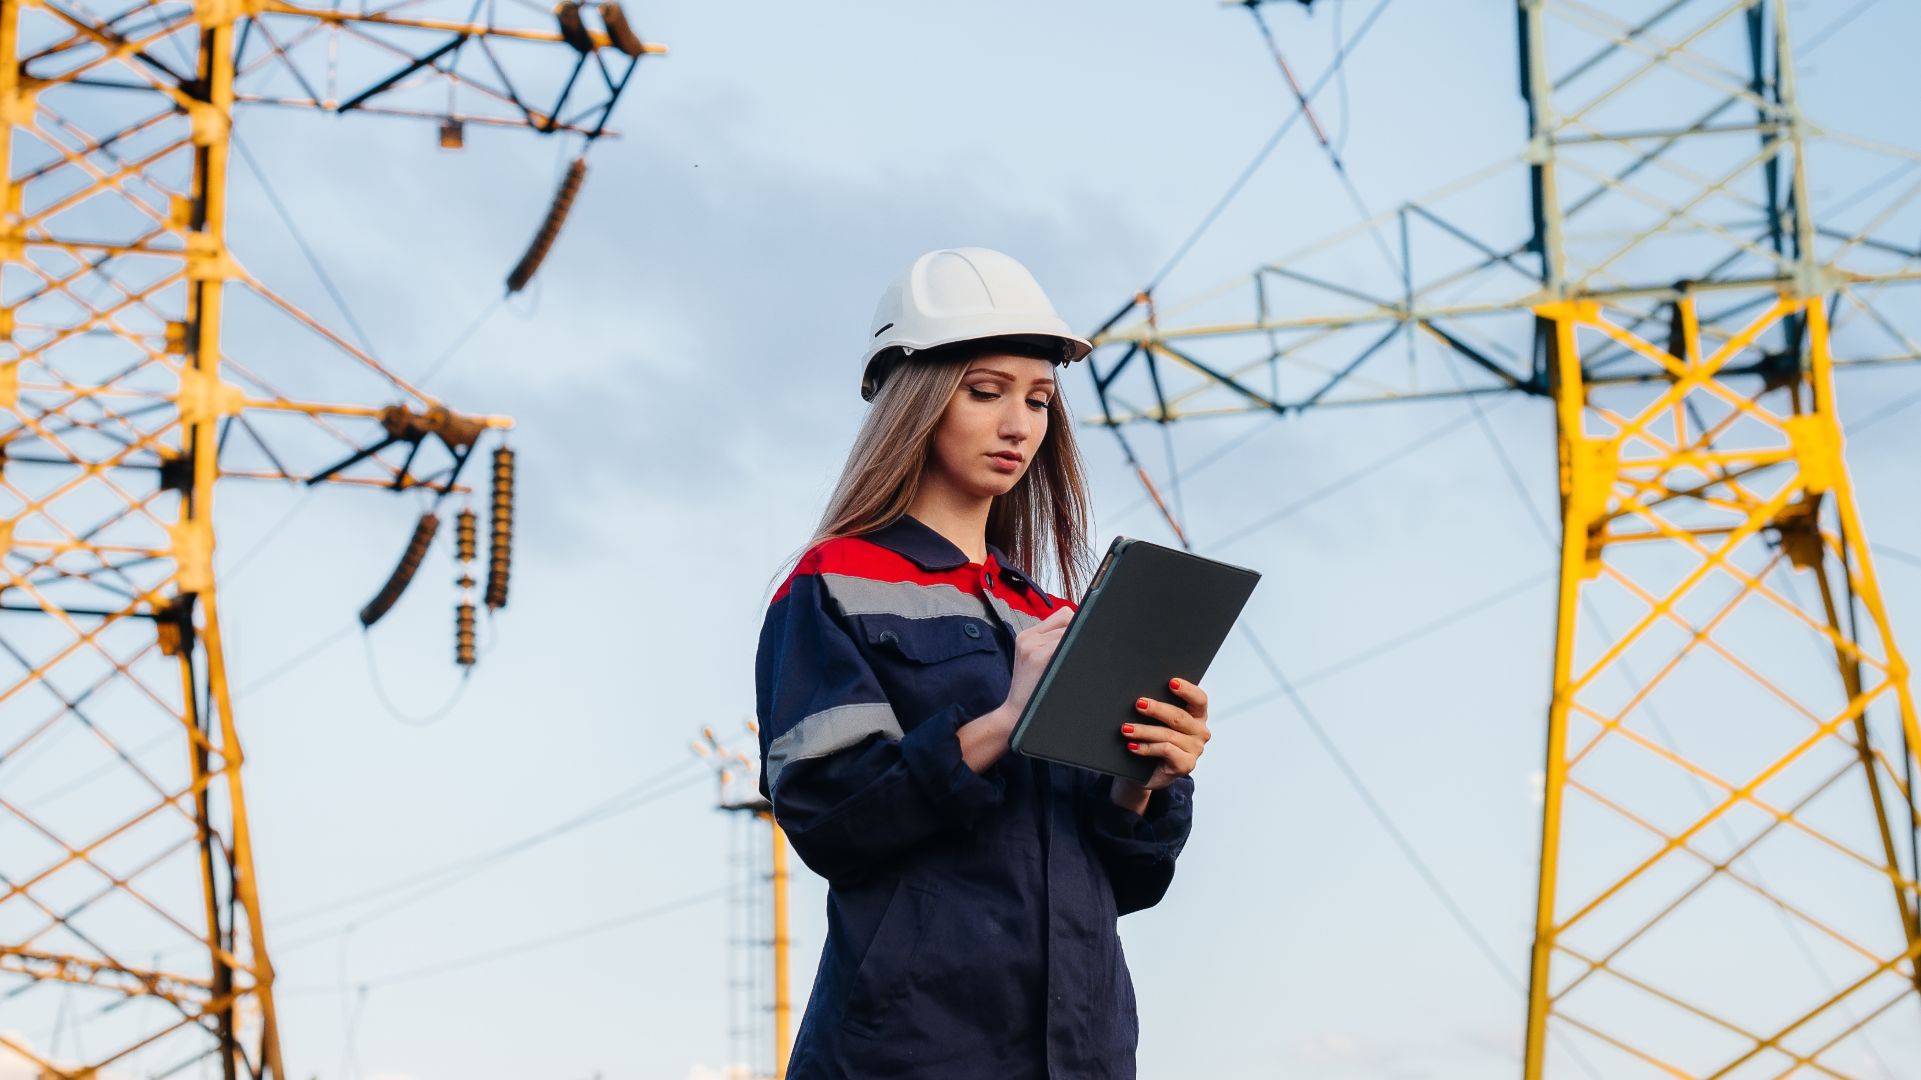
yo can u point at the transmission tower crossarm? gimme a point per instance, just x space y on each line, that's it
115 180
1678 301
439 58
342 17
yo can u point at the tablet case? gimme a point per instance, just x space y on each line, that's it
1151 613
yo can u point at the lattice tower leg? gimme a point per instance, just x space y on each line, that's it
1694 504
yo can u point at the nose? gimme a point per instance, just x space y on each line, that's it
1017 421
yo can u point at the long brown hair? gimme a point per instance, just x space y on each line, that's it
1047 509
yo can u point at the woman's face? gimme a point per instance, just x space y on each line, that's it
994 424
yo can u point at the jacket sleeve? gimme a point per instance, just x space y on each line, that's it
1138 850
849 789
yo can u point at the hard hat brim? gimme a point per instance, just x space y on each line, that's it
882 359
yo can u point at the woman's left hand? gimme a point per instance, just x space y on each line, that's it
1177 741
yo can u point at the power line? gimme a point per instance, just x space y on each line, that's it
300 240
1886 411
1333 155
1381 816
1402 844
1379 649
1206 459
448 875
1267 148
520 947
1352 776
447 354
311 651
1896 554
1514 479
228 575
1405 450
441 878
104 769
1173 471
333 290
427 719
608 807
1838 24
1340 77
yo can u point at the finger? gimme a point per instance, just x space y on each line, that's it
1194 696
1157 733
1036 633
1061 614
1173 755
1053 624
1170 716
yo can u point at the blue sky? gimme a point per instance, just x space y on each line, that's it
683 379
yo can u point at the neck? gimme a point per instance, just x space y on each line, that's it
959 517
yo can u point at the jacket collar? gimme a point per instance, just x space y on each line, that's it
912 538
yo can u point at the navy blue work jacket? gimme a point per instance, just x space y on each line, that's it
970 917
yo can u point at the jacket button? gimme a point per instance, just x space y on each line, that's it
971 629
889 637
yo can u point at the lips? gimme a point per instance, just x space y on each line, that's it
1008 456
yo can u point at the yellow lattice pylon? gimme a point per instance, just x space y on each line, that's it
132 930
1692 506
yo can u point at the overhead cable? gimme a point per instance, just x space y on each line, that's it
1267 148
419 885
1320 136
514 949
1407 449
306 249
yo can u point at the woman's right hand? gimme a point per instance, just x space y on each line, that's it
1033 647
984 740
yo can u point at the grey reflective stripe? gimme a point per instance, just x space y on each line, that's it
865 596
828 730
1015 620
910 600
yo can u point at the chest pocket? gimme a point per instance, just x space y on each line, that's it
928 641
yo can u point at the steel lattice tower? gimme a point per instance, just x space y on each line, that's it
1728 851
760 1011
133 909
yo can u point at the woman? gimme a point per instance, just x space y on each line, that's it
972 893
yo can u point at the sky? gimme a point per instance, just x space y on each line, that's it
682 377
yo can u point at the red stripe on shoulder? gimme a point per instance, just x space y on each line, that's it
854 556
1034 601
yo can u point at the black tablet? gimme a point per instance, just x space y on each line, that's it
1151 613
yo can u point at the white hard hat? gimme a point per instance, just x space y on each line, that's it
962 294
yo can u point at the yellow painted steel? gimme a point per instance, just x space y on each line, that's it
1704 490
70 531
1775 495
737 775
783 1006
138 895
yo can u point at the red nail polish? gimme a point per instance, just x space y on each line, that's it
1140 703
1133 746
1173 684
1127 729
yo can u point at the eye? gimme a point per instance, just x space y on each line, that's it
982 395
1041 404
